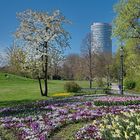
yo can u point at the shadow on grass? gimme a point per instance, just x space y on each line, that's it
12 103
15 102
78 97
49 99
26 107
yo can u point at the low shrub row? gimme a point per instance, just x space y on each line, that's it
112 100
104 103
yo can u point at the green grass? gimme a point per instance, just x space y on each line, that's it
68 132
16 90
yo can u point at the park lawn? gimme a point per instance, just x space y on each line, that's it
16 90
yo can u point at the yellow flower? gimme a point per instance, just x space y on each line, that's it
102 126
132 123
61 94
126 136
137 127
109 126
116 135
117 118
114 124
118 132
137 137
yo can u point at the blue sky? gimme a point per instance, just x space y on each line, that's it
82 13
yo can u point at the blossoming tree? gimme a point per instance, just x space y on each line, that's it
39 33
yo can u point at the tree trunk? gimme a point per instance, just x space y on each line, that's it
90 68
45 71
40 86
46 77
90 83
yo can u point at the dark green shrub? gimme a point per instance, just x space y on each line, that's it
100 83
107 90
72 87
125 103
130 84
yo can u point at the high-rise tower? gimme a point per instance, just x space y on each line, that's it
101 37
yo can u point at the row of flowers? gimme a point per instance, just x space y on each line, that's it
125 126
115 100
49 116
42 126
36 106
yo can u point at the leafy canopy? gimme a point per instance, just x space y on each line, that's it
40 34
127 21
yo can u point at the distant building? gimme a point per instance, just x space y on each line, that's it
101 37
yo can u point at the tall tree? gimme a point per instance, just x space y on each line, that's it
127 21
71 67
42 32
131 61
102 64
127 30
87 53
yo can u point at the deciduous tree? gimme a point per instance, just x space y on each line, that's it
71 67
40 33
127 21
87 53
16 59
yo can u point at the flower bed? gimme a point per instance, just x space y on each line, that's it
125 126
43 125
44 118
113 100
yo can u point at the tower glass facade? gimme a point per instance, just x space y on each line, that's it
101 37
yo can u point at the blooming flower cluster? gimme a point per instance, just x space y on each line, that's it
113 127
47 117
114 100
88 132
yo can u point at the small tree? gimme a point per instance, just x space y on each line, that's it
1 60
16 58
55 63
41 33
71 67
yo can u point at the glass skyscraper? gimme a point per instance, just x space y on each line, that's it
101 37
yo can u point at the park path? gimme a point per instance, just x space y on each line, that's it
114 86
115 90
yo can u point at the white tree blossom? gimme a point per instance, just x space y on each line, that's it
39 33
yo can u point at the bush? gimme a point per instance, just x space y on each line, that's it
72 87
130 84
56 77
100 83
